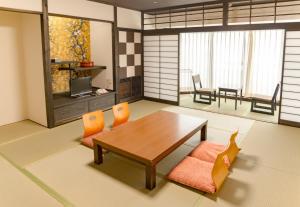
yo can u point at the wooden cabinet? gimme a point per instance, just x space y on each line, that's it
68 109
102 102
130 89
70 112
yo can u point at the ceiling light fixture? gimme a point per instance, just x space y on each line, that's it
155 2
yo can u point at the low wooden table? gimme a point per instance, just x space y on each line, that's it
236 91
150 139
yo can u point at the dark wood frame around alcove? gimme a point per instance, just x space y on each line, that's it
46 58
44 15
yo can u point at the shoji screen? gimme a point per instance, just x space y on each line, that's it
290 109
161 63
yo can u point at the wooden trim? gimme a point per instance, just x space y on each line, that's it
289 123
161 101
79 17
131 99
184 6
288 26
142 55
20 10
116 54
129 29
46 64
114 4
225 13
178 75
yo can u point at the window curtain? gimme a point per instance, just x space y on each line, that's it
251 60
228 63
194 59
265 63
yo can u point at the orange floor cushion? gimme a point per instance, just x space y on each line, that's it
194 173
208 151
88 141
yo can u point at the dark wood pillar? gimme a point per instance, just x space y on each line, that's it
46 64
116 54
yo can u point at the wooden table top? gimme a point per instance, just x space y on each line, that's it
229 89
151 138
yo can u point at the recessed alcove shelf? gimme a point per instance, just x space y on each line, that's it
76 69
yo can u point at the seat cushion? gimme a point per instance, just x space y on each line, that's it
88 141
207 90
208 151
194 173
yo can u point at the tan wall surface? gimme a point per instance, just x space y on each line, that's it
21 80
12 82
82 8
33 64
129 18
101 53
31 5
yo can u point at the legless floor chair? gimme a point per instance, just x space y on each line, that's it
93 124
206 95
201 175
121 114
209 151
206 168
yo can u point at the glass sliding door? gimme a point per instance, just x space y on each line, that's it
265 63
251 60
195 58
228 65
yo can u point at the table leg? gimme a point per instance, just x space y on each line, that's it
150 177
241 96
219 98
204 133
98 156
236 100
225 96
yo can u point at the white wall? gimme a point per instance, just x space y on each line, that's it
101 53
129 18
33 64
82 8
31 5
12 83
21 71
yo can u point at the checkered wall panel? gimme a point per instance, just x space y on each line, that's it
130 54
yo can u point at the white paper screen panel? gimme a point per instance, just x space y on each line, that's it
161 67
290 105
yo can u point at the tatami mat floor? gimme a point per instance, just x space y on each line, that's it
243 110
266 173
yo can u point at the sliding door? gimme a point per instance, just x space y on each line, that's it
251 60
290 105
161 67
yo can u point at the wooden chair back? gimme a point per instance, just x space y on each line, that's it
93 123
196 80
233 149
276 92
220 171
121 114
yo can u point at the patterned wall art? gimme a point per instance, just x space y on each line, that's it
69 41
130 54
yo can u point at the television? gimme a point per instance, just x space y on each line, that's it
81 86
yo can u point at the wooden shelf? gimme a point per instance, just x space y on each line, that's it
76 69
64 63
